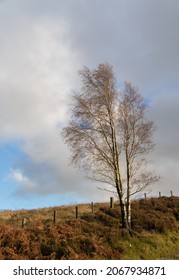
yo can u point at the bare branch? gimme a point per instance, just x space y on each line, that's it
109 136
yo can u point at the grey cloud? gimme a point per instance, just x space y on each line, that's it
45 178
141 34
164 112
45 43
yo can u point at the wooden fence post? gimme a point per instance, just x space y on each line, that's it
23 222
55 216
160 194
92 207
145 196
112 202
76 212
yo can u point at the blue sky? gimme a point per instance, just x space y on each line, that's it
10 178
43 45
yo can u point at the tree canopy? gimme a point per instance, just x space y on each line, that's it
110 136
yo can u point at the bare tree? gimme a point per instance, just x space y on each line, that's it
108 135
135 136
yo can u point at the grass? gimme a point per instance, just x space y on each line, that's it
92 236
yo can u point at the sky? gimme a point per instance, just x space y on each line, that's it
43 45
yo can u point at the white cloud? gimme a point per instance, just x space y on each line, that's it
34 89
26 186
16 176
44 44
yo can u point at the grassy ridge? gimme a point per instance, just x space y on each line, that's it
92 236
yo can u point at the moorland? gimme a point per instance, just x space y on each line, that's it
36 235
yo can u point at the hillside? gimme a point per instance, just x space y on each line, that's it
92 235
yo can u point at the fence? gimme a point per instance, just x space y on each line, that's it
160 195
24 218
56 217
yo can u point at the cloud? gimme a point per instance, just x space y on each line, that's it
17 176
36 78
44 44
139 38
34 82
166 156
26 185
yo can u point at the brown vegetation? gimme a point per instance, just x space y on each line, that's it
92 236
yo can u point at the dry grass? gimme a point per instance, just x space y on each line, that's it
92 236
64 213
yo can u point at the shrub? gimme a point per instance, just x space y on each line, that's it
106 220
88 217
153 221
50 247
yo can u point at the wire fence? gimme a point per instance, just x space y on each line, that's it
24 218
